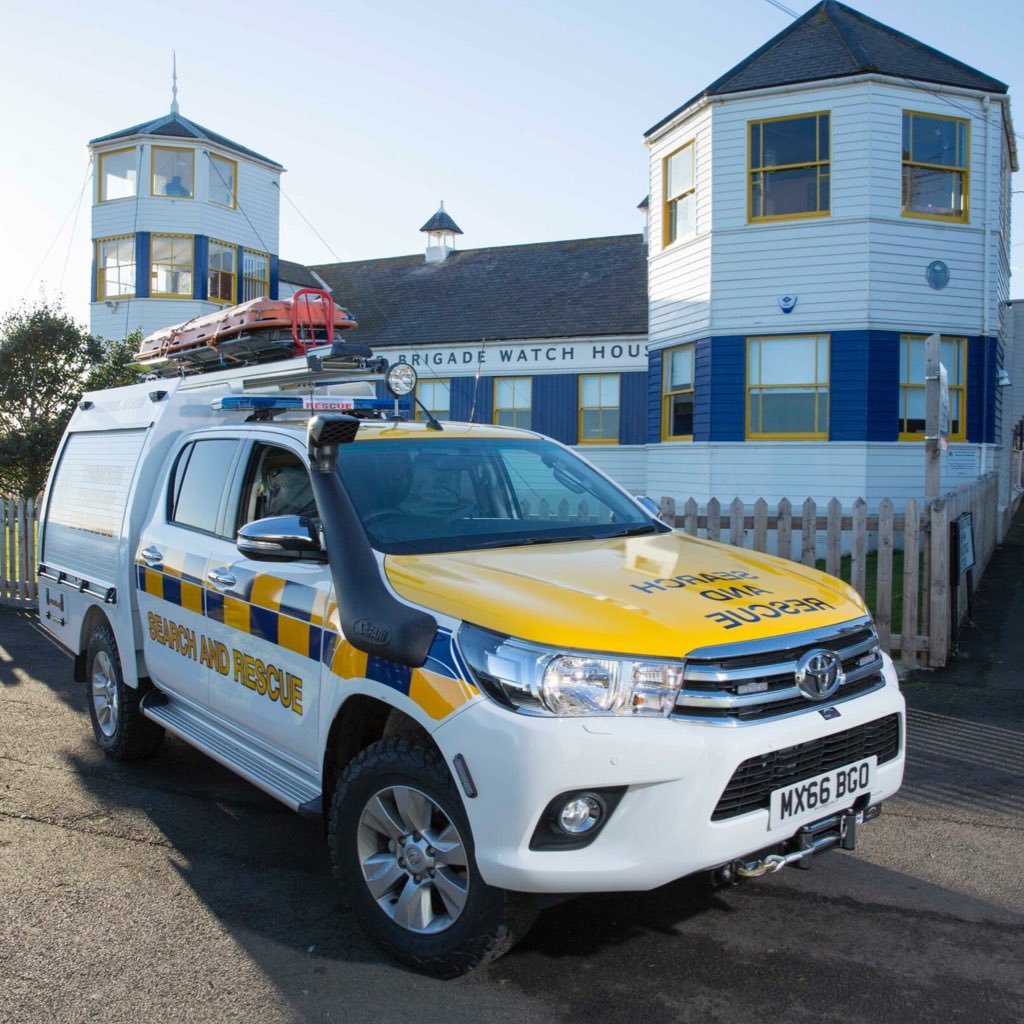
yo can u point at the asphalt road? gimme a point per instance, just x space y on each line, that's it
169 890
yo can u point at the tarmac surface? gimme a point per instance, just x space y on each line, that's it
170 890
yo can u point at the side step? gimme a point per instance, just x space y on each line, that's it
290 785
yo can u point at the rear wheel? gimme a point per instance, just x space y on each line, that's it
121 729
402 847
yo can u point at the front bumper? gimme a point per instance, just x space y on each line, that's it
675 772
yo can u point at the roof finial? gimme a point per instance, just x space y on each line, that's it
174 82
442 204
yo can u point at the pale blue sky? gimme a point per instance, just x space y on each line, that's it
526 118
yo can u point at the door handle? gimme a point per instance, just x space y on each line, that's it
221 578
152 556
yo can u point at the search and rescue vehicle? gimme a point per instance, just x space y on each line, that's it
491 672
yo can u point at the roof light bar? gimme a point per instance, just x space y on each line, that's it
285 403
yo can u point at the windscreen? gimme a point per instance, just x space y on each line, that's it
416 497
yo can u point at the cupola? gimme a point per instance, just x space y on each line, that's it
440 231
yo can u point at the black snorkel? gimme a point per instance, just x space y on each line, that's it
372 618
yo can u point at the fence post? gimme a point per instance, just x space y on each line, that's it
911 569
690 517
667 511
834 539
938 585
859 547
760 525
809 533
714 520
3 549
784 530
737 512
883 579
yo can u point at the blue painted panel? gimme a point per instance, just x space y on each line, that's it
463 392
981 399
201 287
655 362
239 264
274 277
848 386
883 386
702 396
633 408
555 406
727 389
142 264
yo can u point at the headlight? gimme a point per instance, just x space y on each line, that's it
528 676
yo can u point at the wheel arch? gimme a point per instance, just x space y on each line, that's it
359 721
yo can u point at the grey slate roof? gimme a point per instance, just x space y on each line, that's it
296 273
177 127
442 222
834 41
582 287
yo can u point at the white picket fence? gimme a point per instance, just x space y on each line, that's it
810 535
930 588
18 521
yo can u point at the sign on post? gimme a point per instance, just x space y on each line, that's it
943 408
965 543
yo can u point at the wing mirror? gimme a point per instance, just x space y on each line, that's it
281 539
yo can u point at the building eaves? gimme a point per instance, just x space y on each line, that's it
176 126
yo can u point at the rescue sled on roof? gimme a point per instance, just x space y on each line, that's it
260 330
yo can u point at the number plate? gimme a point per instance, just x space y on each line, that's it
835 789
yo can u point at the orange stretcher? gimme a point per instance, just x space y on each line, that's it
258 330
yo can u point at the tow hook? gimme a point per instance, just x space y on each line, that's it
837 830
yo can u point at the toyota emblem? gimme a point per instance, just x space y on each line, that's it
819 673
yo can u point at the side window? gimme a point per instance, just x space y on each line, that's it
276 484
201 474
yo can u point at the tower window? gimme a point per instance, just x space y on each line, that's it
935 176
173 172
223 275
223 183
680 195
789 167
118 174
171 266
115 267
255 274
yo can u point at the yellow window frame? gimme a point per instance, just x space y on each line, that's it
669 201
248 277
153 264
212 166
99 174
232 274
752 217
436 383
668 393
965 170
580 410
152 170
907 386
511 408
816 435
101 295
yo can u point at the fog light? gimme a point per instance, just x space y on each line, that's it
580 814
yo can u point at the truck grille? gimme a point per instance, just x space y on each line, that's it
739 683
751 785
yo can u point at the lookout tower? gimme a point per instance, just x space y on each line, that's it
183 220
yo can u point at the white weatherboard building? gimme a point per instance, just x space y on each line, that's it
813 214
816 212
183 221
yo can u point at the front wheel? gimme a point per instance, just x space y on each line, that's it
402 848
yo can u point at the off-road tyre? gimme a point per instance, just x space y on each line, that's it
133 735
491 921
